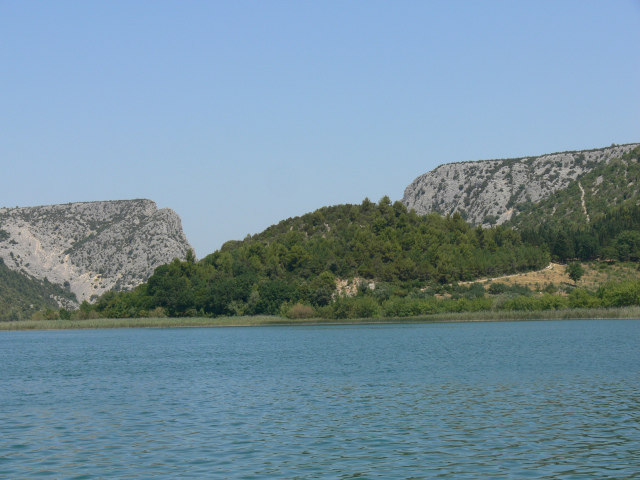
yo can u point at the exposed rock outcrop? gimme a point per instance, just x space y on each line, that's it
485 191
91 247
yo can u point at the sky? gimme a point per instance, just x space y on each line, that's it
239 114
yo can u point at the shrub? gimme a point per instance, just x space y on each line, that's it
299 311
382 292
476 290
621 294
365 307
580 298
498 288
545 302
340 309
326 311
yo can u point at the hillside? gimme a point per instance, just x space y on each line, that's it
555 277
490 192
381 248
21 295
586 200
92 247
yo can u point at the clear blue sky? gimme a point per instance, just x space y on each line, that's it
240 114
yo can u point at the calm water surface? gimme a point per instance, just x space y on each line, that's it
465 401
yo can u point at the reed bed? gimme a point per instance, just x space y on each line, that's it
261 320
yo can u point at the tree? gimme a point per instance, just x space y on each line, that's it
322 288
575 271
563 246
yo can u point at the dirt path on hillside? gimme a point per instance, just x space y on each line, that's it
596 274
584 205
551 267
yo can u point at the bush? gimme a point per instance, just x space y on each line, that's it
341 308
545 302
476 290
621 294
382 292
46 314
299 311
365 307
410 307
498 288
580 298
326 311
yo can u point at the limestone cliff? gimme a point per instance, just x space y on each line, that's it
91 247
486 191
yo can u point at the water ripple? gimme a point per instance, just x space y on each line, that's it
557 400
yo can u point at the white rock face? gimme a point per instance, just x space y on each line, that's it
485 191
94 246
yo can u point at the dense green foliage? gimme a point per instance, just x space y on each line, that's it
297 261
613 236
21 295
612 232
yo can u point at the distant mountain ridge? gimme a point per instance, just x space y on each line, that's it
91 247
489 192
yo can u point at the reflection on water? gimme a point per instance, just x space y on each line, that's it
492 400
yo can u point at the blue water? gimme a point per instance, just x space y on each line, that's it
465 401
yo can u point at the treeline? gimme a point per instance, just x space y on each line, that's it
613 236
296 263
499 297
387 301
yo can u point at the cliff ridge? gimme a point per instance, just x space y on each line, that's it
91 247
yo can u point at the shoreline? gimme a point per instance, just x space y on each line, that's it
260 321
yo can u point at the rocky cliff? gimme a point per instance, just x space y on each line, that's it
91 247
485 192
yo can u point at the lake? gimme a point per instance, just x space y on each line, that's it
558 400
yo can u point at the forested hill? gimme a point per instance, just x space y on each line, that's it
299 260
381 241
596 217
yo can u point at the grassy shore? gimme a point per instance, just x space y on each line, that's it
248 321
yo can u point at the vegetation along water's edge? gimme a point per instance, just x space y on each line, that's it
264 320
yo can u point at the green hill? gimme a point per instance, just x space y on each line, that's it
392 250
605 226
